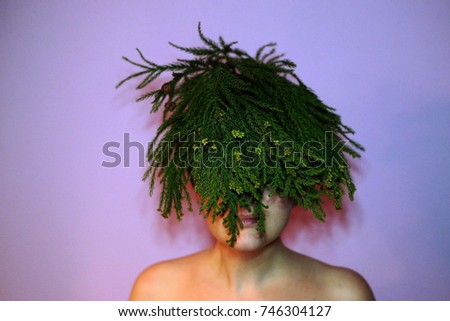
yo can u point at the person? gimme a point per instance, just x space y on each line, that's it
253 143
258 267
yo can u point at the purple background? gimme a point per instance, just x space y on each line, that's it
74 230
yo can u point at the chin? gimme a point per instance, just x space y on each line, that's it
250 240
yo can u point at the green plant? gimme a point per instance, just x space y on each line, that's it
234 124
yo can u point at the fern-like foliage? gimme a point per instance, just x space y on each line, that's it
236 124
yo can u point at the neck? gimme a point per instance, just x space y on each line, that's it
243 269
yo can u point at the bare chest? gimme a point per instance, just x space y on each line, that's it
277 290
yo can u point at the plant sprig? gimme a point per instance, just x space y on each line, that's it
225 113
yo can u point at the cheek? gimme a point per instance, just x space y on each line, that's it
276 201
277 216
217 229
276 221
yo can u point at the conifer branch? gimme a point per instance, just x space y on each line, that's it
225 102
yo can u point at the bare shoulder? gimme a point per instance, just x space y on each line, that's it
335 283
348 285
161 280
152 282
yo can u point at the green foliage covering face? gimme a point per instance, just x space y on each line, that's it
235 124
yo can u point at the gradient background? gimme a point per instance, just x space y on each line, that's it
74 230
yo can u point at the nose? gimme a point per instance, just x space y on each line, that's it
245 212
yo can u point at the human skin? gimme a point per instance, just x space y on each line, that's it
258 267
276 217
